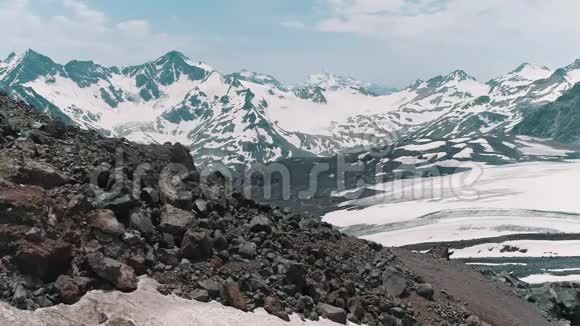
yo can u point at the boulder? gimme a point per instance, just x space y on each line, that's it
355 307
122 276
119 202
141 221
247 249
47 259
272 305
211 286
22 205
175 220
196 245
199 295
295 275
173 190
394 282
260 223
67 289
230 292
20 296
180 154
426 291
335 314
32 172
200 205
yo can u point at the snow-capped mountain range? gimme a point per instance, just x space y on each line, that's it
246 116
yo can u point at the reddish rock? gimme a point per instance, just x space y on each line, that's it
47 259
22 205
119 274
272 305
196 245
231 293
67 289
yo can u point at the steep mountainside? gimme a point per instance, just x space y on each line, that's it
559 120
246 116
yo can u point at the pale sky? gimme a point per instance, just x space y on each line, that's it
393 42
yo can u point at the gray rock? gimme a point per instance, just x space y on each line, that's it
211 286
117 201
335 314
20 295
132 237
355 307
394 282
175 220
201 205
260 223
389 320
34 235
247 249
173 190
141 221
295 275
426 291
200 295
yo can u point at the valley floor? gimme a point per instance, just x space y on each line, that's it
518 211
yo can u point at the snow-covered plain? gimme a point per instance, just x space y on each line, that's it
526 248
488 201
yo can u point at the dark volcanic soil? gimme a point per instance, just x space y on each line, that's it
494 302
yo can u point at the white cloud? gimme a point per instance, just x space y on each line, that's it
137 28
458 19
296 24
80 31
426 37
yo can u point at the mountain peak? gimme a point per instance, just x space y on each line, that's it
328 80
173 56
11 56
526 66
459 75
31 54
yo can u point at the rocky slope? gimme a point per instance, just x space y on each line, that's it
83 212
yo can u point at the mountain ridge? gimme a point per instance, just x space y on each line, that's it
175 99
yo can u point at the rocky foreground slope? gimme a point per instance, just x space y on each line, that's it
81 212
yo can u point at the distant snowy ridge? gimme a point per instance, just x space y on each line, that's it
246 116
